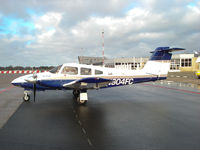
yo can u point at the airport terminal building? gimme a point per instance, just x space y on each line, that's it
132 63
179 62
184 62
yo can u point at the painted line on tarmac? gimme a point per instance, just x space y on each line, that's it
79 122
164 87
89 142
84 131
81 126
6 89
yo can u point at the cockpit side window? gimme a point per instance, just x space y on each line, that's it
98 72
86 71
55 70
70 70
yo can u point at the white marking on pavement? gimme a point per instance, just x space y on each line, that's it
79 122
83 130
89 142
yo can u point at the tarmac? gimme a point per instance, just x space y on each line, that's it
154 116
184 77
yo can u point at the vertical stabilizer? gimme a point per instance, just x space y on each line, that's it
159 62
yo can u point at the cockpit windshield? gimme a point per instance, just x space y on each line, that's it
55 70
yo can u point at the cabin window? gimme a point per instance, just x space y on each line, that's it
70 70
55 70
98 72
86 71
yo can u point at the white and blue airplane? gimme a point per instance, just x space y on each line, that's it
80 78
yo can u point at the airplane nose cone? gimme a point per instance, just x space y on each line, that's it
17 81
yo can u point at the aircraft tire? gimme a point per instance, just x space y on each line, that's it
26 98
76 93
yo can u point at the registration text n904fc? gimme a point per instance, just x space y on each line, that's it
122 81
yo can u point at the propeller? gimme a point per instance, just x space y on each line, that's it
34 86
33 80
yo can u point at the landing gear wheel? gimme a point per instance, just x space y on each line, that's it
81 102
76 93
26 97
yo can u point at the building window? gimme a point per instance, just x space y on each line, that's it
117 63
86 71
175 64
187 62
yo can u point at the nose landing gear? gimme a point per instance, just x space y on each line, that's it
26 96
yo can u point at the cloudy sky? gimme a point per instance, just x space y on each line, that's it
52 32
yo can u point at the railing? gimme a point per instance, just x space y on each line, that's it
21 71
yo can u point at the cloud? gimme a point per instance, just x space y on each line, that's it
54 32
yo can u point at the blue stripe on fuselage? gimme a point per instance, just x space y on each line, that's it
45 84
58 84
29 86
130 81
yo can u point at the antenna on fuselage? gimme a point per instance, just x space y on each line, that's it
103 47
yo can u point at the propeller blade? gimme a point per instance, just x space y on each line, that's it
34 91
34 85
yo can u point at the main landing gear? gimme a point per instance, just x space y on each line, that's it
26 96
80 96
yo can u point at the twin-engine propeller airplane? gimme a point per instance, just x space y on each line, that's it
80 78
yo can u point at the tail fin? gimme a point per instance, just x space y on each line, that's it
159 62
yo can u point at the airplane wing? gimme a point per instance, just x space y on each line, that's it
88 83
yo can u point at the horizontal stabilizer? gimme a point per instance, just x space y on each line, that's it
176 49
167 49
163 53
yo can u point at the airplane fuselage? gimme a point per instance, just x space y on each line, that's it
117 77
